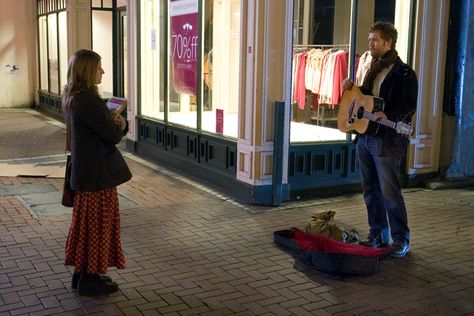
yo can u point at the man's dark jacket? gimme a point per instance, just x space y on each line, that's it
399 90
96 163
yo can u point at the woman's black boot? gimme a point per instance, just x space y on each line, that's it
77 275
75 280
94 284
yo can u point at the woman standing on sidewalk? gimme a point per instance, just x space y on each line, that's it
93 244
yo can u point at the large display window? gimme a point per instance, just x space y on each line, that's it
152 58
63 56
190 61
183 62
124 50
221 66
52 45
43 52
321 45
201 68
102 42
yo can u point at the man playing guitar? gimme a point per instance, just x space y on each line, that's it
380 154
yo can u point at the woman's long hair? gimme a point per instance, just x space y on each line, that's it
81 74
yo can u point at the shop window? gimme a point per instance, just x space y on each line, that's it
124 50
220 66
199 85
43 53
109 16
321 37
52 45
102 43
63 56
183 62
152 58
321 42
53 56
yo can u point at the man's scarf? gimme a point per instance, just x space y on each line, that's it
377 65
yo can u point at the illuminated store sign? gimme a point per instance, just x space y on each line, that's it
184 43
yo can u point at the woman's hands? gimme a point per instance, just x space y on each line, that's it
120 122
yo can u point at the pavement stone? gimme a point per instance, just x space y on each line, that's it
192 252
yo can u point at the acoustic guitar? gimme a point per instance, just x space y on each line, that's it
356 114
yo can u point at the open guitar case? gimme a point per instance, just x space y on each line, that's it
329 255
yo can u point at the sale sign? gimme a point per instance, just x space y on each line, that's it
219 121
184 45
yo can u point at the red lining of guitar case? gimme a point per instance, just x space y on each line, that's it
329 255
315 242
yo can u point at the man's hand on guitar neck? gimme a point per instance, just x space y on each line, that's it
380 116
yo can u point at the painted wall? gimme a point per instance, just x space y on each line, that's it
462 163
17 47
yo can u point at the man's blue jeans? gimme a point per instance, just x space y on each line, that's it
382 192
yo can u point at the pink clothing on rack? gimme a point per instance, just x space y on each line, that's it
341 72
296 57
327 80
300 86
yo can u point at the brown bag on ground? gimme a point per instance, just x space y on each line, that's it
321 224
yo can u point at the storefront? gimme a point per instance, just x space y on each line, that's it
207 75
65 26
210 73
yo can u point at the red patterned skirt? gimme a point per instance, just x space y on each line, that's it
93 242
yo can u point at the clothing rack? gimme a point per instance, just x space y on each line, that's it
299 86
320 45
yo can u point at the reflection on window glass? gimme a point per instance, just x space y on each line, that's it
43 53
152 57
102 44
63 57
53 54
221 66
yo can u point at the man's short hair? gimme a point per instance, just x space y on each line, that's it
387 31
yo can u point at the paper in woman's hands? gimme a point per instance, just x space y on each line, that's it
117 105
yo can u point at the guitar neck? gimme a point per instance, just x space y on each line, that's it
386 122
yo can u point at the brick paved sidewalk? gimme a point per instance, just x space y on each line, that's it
191 252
